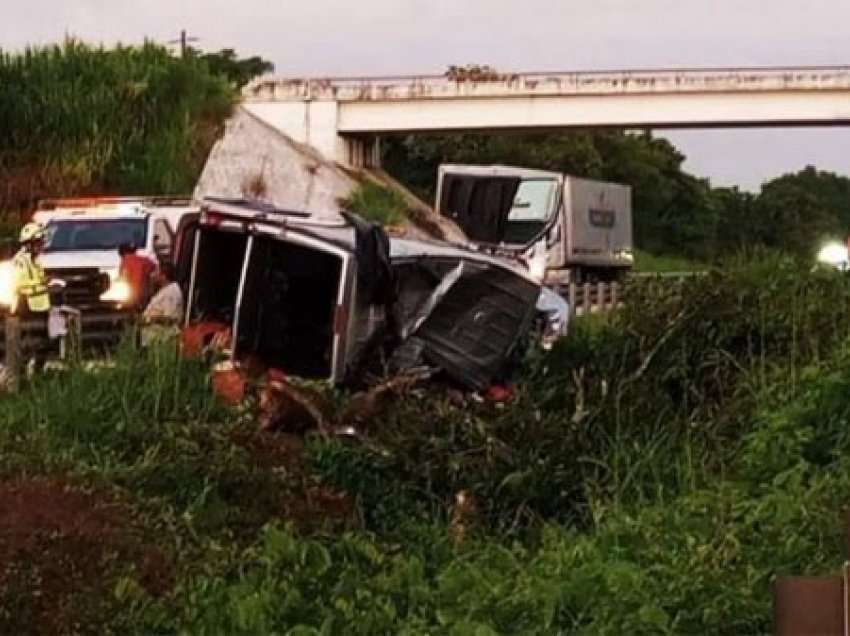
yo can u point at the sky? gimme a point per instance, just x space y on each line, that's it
313 38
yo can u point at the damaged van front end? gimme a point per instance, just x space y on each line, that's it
333 297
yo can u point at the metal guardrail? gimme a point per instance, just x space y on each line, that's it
27 337
587 298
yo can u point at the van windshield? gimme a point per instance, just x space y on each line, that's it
68 235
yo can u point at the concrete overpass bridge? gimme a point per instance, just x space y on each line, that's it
343 118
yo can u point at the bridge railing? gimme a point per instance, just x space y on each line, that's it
664 80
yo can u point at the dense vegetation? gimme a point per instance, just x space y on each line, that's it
131 120
653 475
675 213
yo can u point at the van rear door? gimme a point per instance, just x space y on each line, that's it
294 304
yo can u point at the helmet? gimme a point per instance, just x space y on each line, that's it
31 232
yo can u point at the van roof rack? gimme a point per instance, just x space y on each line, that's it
253 206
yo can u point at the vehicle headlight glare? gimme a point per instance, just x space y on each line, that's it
118 292
7 284
834 254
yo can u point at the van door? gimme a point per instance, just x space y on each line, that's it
294 303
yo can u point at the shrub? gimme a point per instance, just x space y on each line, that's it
377 203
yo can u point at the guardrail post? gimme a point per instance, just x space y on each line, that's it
601 296
587 301
70 345
13 353
571 292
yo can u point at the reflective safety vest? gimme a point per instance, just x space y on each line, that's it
31 282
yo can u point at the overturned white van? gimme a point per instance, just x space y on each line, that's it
332 296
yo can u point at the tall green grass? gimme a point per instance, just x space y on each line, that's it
78 119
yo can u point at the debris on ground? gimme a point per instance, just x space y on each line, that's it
201 336
229 383
284 406
367 405
499 393
464 516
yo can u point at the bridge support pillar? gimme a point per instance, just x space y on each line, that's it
316 123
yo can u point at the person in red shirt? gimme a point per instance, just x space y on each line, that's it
136 271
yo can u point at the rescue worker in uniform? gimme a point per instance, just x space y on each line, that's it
31 290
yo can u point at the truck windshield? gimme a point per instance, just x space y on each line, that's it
88 234
532 206
533 201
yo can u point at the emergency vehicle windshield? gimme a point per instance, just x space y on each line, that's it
68 235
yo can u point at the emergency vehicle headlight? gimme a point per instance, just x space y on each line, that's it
118 292
7 284
834 254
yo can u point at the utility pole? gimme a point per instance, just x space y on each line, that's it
183 42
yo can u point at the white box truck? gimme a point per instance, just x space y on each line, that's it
566 229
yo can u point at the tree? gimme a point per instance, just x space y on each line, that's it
796 216
239 71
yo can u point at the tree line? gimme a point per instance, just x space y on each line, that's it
675 212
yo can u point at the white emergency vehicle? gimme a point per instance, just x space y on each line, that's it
83 236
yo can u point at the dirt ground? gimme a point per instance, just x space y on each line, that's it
309 505
61 550
65 546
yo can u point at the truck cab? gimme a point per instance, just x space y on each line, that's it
83 236
565 229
